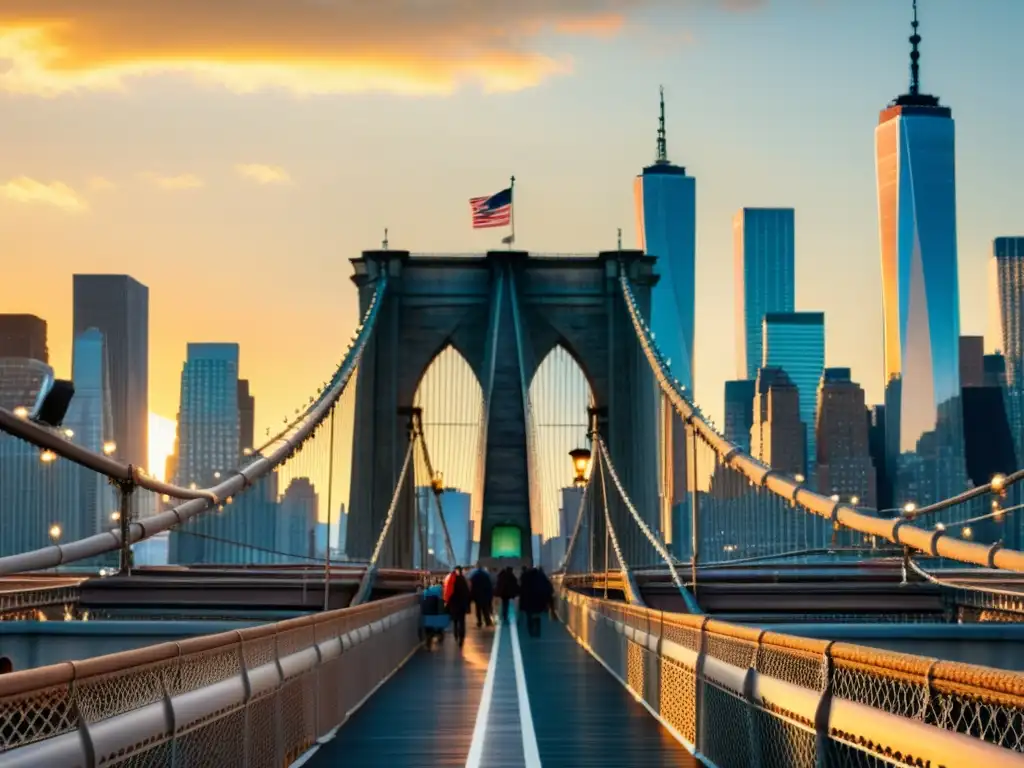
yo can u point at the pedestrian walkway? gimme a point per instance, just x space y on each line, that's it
583 716
505 700
423 716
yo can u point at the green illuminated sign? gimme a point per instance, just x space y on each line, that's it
506 541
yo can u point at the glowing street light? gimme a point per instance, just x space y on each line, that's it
115 516
47 457
998 484
55 532
109 447
967 532
834 497
21 412
799 478
909 507
855 500
580 464
69 433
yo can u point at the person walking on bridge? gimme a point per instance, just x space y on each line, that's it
482 592
507 590
456 599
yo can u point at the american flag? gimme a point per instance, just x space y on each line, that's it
493 210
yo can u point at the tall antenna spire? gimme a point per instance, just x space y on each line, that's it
662 143
915 55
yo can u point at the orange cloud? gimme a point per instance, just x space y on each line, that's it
264 174
182 181
56 194
101 184
308 46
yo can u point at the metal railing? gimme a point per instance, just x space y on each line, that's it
789 490
739 696
266 459
254 697
25 602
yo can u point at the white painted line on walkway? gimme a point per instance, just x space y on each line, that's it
531 752
476 747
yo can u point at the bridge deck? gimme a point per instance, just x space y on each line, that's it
576 713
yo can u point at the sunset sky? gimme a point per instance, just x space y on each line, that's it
233 155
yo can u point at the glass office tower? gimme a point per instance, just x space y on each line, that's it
1008 253
764 252
1008 263
666 215
795 342
914 158
118 306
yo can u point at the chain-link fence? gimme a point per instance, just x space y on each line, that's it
254 697
740 696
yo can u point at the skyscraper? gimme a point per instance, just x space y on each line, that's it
739 412
118 306
23 336
778 435
666 214
763 257
1008 253
297 520
795 342
36 493
843 456
915 164
208 423
89 417
456 506
246 416
972 361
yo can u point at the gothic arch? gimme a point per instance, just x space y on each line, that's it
504 312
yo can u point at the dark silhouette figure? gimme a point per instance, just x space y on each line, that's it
458 605
507 590
550 588
482 591
534 598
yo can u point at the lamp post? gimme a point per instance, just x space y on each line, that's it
580 465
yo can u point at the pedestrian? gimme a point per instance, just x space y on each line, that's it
507 590
549 590
532 599
482 594
457 603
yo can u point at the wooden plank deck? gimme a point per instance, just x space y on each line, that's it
423 716
583 716
426 715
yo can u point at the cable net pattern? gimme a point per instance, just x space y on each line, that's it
733 507
736 726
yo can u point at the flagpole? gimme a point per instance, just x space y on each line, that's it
512 210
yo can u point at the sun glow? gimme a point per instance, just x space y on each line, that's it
161 444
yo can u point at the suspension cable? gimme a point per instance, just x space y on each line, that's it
254 547
579 523
623 565
201 500
898 530
394 503
437 492
606 458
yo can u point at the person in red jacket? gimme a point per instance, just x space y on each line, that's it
447 585
456 599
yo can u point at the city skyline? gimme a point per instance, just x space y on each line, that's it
168 230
